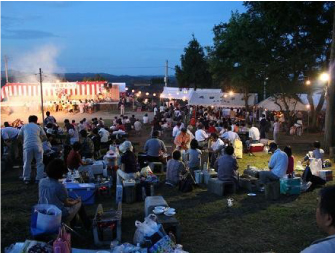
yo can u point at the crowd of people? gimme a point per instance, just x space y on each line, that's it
203 137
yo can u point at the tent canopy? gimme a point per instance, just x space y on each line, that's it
273 104
209 97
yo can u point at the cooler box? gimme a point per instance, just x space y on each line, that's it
326 175
290 185
85 191
98 167
256 147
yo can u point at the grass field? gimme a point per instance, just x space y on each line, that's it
253 224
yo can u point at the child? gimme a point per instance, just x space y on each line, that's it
194 157
290 165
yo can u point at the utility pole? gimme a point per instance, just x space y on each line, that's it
264 88
6 68
41 86
329 137
166 73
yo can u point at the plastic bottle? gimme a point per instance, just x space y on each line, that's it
152 190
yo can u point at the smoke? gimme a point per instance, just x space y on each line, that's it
29 64
26 70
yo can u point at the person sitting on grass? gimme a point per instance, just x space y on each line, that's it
318 152
325 219
175 168
54 192
129 166
87 145
277 165
226 166
194 157
290 166
73 160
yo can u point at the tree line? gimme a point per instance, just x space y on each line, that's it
283 44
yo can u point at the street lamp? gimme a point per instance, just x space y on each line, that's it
308 82
154 94
324 77
231 93
132 91
147 93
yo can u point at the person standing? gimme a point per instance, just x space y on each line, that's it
122 110
32 135
263 125
276 129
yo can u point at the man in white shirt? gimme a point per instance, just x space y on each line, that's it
277 165
137 126
176 130
201 136
145 119
162 108
230 135
9 135
104 135
155 111
325 218
32 135
254 135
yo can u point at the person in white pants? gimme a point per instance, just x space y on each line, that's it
122 109
32 135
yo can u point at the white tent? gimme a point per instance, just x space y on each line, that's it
176 93
206 98
316 98
215 97
236 100
273 104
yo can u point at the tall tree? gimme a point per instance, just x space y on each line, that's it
330 111
193 72
238 56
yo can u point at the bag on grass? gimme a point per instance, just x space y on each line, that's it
63 242
46 219
186 182
164 245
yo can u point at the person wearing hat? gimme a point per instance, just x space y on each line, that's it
128 163
277 165
154 148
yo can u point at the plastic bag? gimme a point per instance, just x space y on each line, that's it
146 171
46 219
146 228
316 166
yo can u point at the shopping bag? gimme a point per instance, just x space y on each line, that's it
316 166
63 242
238 149
164 245
46 219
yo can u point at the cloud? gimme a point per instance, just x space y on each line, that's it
7 21
26 34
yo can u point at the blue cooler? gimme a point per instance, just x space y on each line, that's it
85 191
290 185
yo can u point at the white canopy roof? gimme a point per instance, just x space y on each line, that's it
316 98
209 97
273 104
176 93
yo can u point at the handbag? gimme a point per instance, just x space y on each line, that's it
63 242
